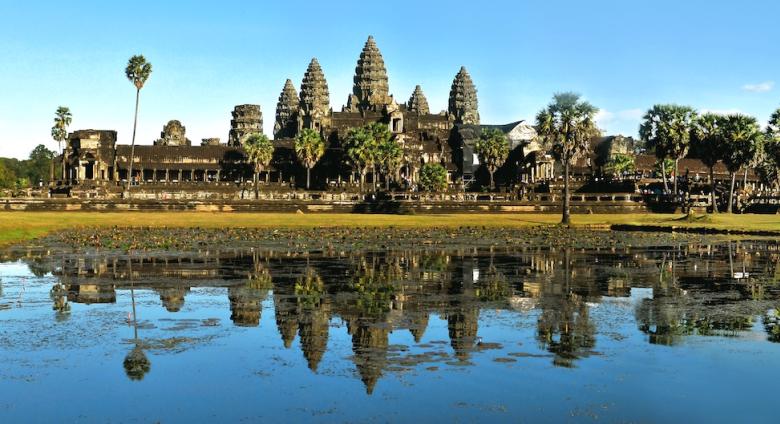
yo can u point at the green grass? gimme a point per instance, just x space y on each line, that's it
20 226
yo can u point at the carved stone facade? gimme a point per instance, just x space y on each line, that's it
286 123
463 99
173 135
418 103
371 89
247 119
314 111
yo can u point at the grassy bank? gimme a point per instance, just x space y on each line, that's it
20 226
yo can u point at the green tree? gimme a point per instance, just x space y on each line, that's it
618 164
59 132
137 71
707 145
770 166
383 139
667 130
7 177
391 156
39 164
361 149
742 137
492 149
433 177
259 150
567 124
309 147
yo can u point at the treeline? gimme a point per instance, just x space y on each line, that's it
18 174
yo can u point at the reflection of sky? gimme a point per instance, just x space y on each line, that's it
72 369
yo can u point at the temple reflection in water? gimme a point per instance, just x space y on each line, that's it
676 292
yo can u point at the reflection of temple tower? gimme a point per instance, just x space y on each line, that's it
313 327
462 326
172 298
369 343
286 312
419 323
246 305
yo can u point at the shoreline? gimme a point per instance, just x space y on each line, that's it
16 227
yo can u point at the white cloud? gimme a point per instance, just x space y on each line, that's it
762 87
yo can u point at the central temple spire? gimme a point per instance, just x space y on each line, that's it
371 89
463 99
315 98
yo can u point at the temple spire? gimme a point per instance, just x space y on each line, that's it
371 89
315 98
418 103
286 110
463 99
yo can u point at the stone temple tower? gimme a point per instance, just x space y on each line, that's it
418 103
314 107
286 123
371 89
247 119
463 99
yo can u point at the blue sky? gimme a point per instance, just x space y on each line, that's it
623 56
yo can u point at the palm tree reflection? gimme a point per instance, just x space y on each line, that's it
136 364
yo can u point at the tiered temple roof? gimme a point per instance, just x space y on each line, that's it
315 97
418 103
286 110
247 119
371 88
463 99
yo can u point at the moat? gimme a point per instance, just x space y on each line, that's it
538 326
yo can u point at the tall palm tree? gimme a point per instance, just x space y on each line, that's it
667 130
59 132
742 137
568 125
707 144
259 150
309 147
137 71
361 149
492 149
391 156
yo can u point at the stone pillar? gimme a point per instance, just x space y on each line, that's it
167 175
154 175
218 176
180 176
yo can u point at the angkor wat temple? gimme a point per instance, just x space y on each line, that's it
95 166
94 159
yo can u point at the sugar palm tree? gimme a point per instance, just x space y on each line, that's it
667 130
492 149
259 150
742 136
59 132
568 125
137 72
309 147
361 148
391 156
707 144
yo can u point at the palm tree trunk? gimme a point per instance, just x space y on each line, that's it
566 218
257 178
132 145
730 208
663 175
492 184
308 177
387 181
676 166
712 189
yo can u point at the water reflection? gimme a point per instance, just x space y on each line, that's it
702 290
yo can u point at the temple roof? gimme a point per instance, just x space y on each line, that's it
418 103
370 82
286 108
463 99
314 90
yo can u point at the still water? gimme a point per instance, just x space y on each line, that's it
685 333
